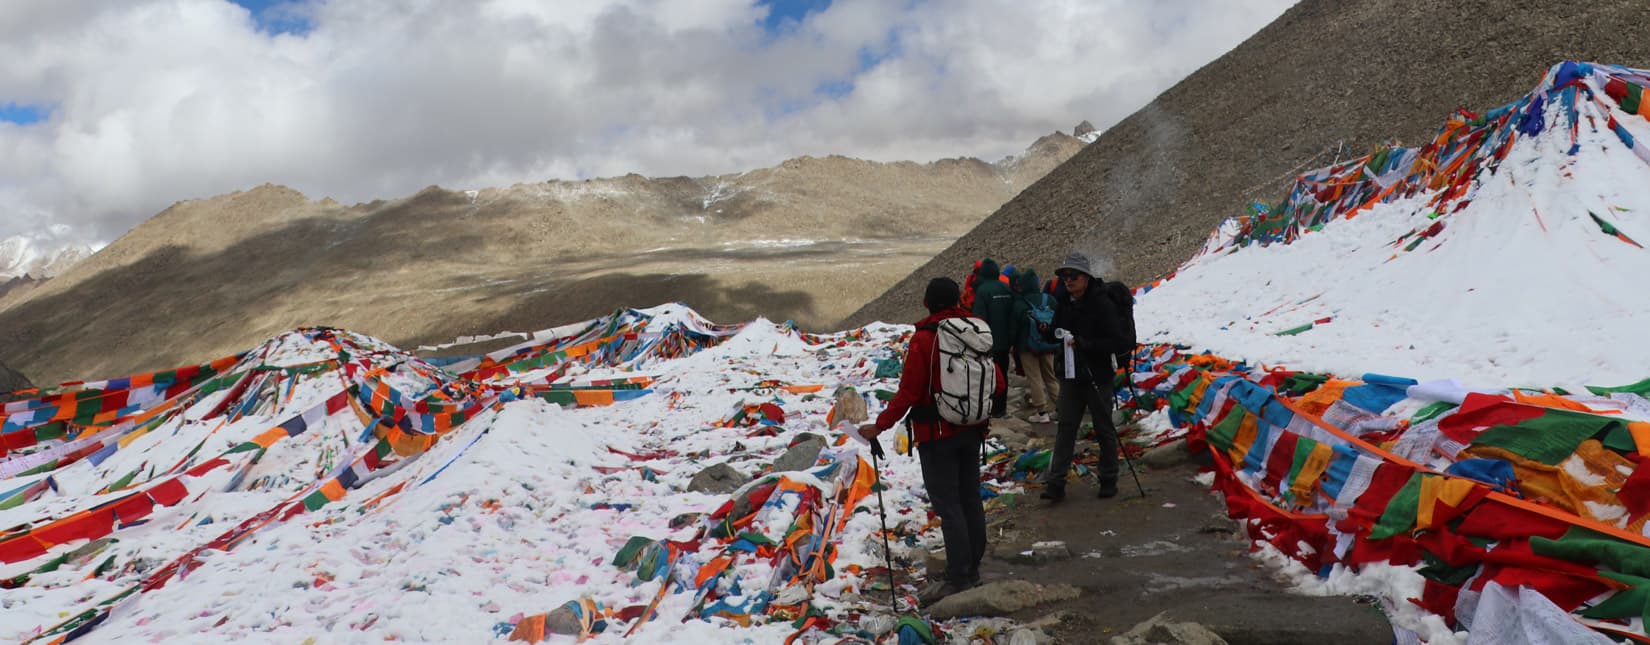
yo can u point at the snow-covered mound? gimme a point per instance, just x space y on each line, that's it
1508 251
1325 339
328 486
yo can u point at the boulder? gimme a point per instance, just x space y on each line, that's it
802 455
717 479
563 620
1160 630
1030 637
1168 455
999 599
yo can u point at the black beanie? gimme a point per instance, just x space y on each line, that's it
942 294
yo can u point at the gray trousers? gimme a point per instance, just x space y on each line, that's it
1075 398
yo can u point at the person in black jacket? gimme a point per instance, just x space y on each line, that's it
1086 321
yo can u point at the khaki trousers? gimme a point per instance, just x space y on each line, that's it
1040 379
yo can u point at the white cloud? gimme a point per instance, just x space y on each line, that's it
153 101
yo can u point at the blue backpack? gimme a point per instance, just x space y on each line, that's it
1042 311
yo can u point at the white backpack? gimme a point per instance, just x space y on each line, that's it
965 374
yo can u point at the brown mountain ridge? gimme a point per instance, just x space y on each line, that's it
1326 80
809 239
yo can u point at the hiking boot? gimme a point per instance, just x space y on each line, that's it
1040 417
1054 494
938 590
1107 489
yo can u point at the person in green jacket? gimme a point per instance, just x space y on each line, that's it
1036 354
994 303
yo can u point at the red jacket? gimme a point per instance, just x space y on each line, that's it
914 386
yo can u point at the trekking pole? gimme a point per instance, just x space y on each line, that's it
882 513
1130 462
1126 458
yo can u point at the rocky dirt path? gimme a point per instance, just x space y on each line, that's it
1132 557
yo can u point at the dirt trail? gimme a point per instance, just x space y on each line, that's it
1172 550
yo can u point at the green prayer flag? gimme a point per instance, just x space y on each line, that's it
315 500
630 551
1224 434
1400 512
1625 603
1588 546
50 431
1549 438
1294 330
1303 450
1302 383
1641 388
123 481
1437 570
1620 439
1432 411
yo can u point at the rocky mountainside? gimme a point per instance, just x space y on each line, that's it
810 239
10 380
1325 80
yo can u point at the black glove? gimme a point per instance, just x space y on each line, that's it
876 449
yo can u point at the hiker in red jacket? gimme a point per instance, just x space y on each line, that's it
950 453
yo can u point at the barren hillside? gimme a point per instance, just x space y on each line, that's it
1325 79
810 239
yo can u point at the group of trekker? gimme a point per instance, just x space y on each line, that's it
1068 337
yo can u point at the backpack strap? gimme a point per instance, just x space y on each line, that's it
929 413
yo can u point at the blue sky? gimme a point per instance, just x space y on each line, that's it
275 17
781 11
272 19
22 114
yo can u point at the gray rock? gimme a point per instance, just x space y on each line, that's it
1030 637
1050 551
802 454
1082 128
720 478
1168 455
1000 599
1161 630
1220 523
1036 553
563 620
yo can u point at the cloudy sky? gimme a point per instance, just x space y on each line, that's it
111 110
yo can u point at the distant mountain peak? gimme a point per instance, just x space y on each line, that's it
40 256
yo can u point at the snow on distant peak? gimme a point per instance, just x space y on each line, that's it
40 255
1507 252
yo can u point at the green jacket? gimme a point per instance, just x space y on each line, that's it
994 303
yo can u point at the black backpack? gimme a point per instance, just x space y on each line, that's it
1122 301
